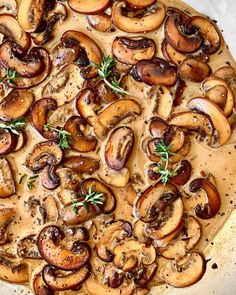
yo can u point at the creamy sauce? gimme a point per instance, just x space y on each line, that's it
219 162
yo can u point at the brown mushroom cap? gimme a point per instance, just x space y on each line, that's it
101 22
183 173
89 8
158 127
171 54
40 287
7 184
81 164
8 142
49 178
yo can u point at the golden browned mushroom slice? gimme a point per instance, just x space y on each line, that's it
228 74
27 248
59 281
195 122
153 200
156 72
208 31
179 91
12 31
223 97
7 184
50 208
131 50
40 287
12 57
81 164
193 70
186 240
145 23
44 153
14 273
171 54
113 114
49 178
6 217
113 234
139 4
8 6
212 206
183 173
119 147
174 137
15 105
176 37
185 272
89 8
158 127
146 274
115 178
50 248
79 140
30 14
128 254
217 117
113 277
101 22
8 142
139 232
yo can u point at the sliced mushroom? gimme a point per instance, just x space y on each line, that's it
7 184
89 8
139 4
183 173
48 177
119 147
81 164
115 178
51 209
185 272
139 232
179 90
12 57
156 72
59 281
22 139
212 206
69 178
145 275
223 96
114 233
50 249
195 122
9 6
193 70
208 31
40 287
6 217
130 253
158 127
218 118
113 114
153 172
30 14
44 153
174 137
171 54
79 141
101 22
14 273
12 31
105 93
27 248
112 277
147 22
8 142
15 105
131 50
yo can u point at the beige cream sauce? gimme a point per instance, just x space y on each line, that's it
219 162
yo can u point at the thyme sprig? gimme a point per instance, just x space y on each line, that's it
163 168
105 73
31 182
11 77
14 126
64 136
95 198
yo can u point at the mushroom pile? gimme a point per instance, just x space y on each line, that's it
99 122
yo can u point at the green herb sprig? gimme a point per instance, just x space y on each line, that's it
14 126
64 136
105 72
163 168
95 198
11 77
31 182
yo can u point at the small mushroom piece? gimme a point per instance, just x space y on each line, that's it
101 22
119 147
145 23
179 90
12 31
156 72
139 4
176 37
7 184
171 54
153 171
27 66
139 232
8 142
69 179
113 114
6 217
81 164
22 139
208 31
27 248
117 178
50 248
105 94
50 207
44 153
112 276
14 273
40 287
113 234
175 138
49 178
158 127
185 272
89 8
79 141
212 207
130 253
145 276
8 6
30 14
193 70
131 50
95 185
218 94
183 173
58 280
217 117
15 105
